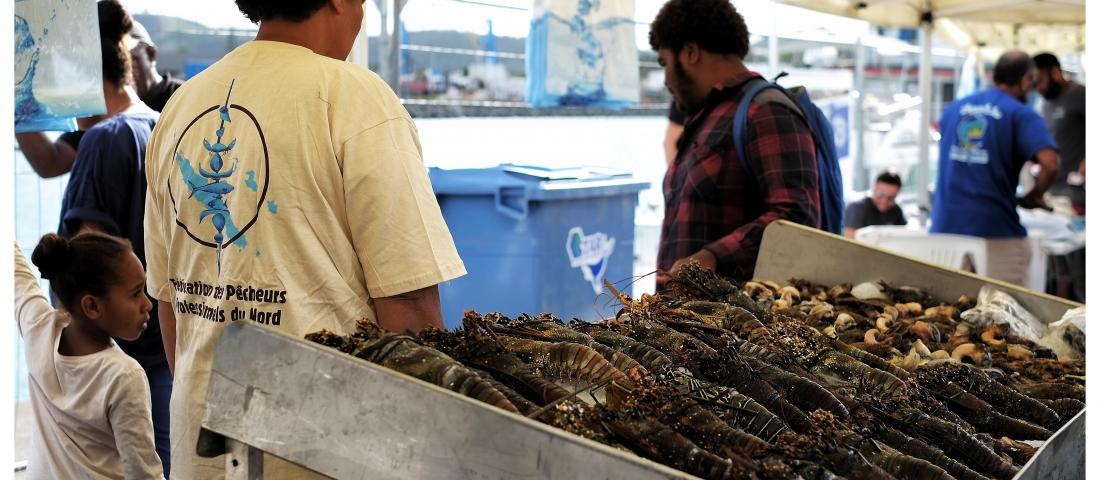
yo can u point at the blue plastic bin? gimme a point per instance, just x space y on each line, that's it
537 240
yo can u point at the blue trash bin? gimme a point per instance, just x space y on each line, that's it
536 239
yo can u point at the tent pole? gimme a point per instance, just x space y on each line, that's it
773 48
384 42
925 115
393 55
859 169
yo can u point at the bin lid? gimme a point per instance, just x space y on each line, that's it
540 183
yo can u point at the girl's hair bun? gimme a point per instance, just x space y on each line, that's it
52 255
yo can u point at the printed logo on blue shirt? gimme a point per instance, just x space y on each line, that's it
590 254
971 135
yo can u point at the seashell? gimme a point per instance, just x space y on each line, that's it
1020 352
871 336
884 323
969 351
921 349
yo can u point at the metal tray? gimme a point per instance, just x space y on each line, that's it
349 419
795 251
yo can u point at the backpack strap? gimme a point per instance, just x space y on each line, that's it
741 117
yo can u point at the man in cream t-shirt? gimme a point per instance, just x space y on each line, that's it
286 188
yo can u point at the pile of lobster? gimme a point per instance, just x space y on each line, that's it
760 380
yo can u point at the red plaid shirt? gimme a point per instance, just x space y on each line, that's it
711 202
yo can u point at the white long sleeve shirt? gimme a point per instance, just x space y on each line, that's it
92 413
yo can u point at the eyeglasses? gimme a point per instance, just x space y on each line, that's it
882 195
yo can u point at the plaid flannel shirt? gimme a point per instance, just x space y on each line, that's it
711 202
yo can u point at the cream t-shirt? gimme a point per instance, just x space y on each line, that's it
92 414
288 189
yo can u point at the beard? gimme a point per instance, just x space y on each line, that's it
1053 90
682 93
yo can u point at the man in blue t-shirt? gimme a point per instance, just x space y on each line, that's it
987 139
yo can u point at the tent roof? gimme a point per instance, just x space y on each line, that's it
907 13
1029 25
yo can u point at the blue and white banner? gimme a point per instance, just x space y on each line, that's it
839 112
58 64
582 52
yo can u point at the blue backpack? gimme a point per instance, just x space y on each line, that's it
831 185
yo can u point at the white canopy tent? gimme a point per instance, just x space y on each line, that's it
990 25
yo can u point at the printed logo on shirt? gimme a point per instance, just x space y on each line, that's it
221 188
590 254
971 136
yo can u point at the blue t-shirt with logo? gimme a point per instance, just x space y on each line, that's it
987 138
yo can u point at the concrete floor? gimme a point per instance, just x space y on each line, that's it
23 426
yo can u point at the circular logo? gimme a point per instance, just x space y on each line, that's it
221 175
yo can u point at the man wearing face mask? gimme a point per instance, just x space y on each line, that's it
716 210
987 139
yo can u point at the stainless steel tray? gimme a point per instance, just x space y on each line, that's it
350 419
794 251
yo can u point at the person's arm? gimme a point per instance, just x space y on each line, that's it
780 151
48 159
157 224
167 318
412 311
672 135
403 244
1033 138
853 219
1048 161
129 410
31 305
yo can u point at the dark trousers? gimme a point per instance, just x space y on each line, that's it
160 386
1066 275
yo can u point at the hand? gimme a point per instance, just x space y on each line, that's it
1032 201
704 257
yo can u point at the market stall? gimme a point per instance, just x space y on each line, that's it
989 25
348 418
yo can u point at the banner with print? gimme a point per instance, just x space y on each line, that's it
582 53
58 64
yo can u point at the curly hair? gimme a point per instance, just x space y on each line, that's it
86 264
714 25
1046 61
114 24
292 10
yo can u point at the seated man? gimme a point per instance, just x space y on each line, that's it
877 209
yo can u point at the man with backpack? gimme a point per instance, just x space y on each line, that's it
717 201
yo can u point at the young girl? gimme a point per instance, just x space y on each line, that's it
90 400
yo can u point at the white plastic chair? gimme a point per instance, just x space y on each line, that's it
952 251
